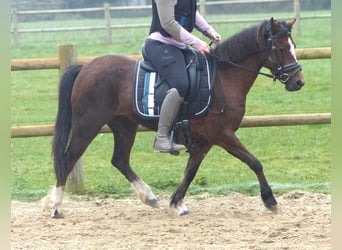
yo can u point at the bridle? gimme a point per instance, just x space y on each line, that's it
281 72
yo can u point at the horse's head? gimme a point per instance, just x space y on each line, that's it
280 55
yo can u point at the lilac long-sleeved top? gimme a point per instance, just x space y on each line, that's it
180 37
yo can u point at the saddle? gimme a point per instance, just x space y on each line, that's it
150 89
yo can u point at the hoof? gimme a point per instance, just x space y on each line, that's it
152 203
57 214
272 207
183 212
144 193
180 208
269 201
149 201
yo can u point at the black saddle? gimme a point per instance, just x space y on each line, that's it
150 89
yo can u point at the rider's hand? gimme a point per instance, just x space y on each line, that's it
204 48
215 37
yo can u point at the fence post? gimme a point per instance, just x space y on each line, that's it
15 28
67 56
296 8
108 23
202 8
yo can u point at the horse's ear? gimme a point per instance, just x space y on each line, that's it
272 22
274 25
291 22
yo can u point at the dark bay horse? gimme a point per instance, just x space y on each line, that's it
101 92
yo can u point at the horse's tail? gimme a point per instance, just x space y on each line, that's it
63 122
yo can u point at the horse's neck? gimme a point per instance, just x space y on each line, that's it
241 75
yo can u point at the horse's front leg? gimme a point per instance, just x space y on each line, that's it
197 154
233 145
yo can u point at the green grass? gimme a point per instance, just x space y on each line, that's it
294 157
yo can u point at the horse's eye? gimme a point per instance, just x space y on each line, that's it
283 51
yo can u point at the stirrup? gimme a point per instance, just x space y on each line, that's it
173 145
165 145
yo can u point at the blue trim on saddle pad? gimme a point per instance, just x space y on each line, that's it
148 97
144 99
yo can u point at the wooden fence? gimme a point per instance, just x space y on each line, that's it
67 55
247 122
108 26
54 63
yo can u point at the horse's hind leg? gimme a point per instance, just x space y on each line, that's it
124 132
235 147
79 139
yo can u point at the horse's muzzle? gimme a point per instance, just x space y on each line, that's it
295 85
291 76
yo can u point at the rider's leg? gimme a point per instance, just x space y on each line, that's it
168 113
170 64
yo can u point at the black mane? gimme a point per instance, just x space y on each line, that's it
241 45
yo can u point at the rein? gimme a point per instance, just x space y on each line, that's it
281 74
246 68
227 60
216 80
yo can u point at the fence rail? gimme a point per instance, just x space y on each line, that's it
54 63
108 26
247 122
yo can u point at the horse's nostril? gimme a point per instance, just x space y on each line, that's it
300 83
